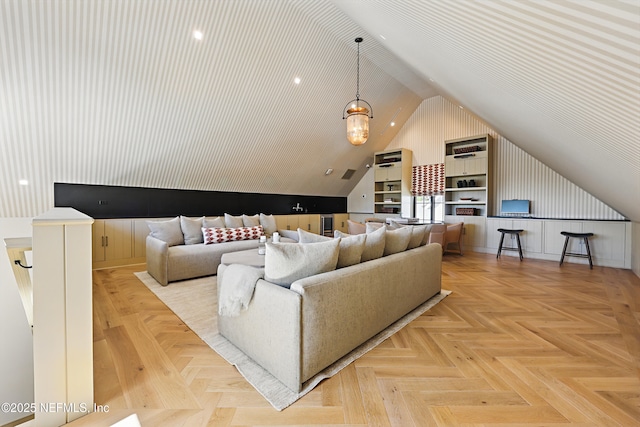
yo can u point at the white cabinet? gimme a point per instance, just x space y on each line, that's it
473 233
608 245
530 239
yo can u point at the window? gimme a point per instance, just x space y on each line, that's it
429 208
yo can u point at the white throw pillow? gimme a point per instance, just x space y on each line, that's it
233 221
370 227
214 222
250 221
167 231
374 245
397 240
351 247
268 222
417 236
285 263
308 237
191 229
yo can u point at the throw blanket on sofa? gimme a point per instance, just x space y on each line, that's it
236 288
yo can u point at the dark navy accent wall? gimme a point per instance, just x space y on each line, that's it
105 201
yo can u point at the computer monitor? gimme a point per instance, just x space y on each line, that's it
515 207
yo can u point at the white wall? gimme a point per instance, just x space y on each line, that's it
16 357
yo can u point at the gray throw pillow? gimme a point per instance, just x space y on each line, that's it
397 240
214 222
167 231
374 244
285 263
268 223
191 229
250 221
233 221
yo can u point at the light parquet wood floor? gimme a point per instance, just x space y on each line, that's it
517 343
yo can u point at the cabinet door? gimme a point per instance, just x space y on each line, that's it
118 239
314 223
531 238
493 236
388 172
98 240
140 233
474 231
554 241
287 222
608 242
453 167
340 222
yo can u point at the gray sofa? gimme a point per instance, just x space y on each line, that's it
177 255
180 262
296 332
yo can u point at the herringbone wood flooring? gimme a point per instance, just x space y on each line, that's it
517 343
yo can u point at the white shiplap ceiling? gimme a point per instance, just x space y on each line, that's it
120 93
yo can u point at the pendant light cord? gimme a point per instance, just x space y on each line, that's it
358 74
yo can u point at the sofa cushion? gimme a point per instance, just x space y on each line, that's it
268 223
370 227
250 221
220 235
167 231
351 247
213 222
231 221
287 262
374 244
397 240
192 229
427 232
417 236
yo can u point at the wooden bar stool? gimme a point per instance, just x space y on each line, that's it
510 232
585 237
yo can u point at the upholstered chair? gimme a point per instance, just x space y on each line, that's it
453 238
354 227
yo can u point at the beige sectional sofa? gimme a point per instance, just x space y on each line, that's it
296 332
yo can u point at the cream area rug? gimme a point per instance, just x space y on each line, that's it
195 302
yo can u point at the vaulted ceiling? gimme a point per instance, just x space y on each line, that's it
121 93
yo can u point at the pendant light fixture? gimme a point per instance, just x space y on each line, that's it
356 113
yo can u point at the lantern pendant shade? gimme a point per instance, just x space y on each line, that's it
357 116
357 125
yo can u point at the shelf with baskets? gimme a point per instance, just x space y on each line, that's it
467 176
392 182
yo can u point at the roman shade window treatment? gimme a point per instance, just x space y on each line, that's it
428 180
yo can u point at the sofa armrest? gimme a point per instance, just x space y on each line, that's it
157 259
269 331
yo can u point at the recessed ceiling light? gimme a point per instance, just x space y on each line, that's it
23 182
328 171
197 35
382 37
461 107
297 80
392 123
